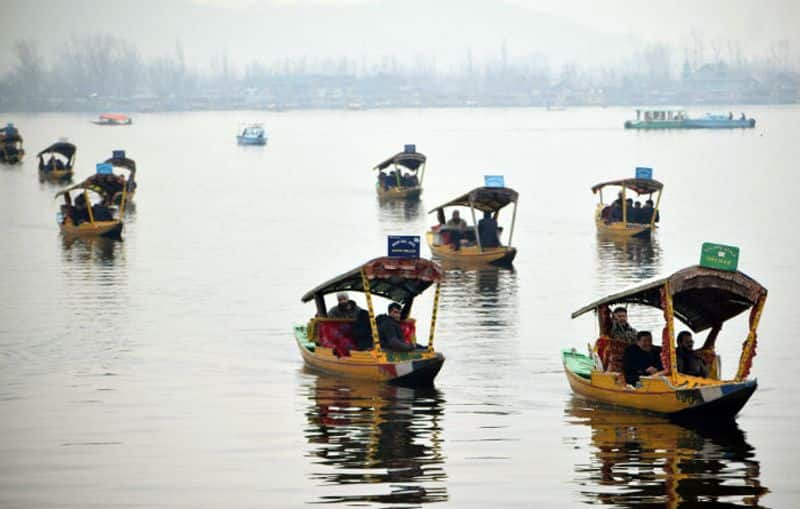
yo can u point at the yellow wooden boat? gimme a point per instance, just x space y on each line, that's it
701 297
60 162
443 241
11 150
327 344
80 216
119 161
625 224
400 177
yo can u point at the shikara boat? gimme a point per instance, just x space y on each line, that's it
469 248
327 344
251 134
79 216
120 161
676 118
400 176
113 119
11 150
702 298
629 222
60 163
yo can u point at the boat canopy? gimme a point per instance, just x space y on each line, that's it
410 160
122 162
398 279
486 199
114 116
88 185
640 186
701 297
65 149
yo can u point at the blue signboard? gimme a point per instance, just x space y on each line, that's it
118 154
403 246
494 181
642 172
104 169
410 148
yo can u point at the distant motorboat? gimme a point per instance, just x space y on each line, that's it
113 119
252 134
677 118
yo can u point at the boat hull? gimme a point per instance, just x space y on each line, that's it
399 193
503 255
243 140
107 229
692 400
618 229
692 123
56 175
415 369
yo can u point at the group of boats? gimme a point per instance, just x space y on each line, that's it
677 118
703 297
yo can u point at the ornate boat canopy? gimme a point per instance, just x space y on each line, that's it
65 149
640 186
398 279
486 199
701 297
410 160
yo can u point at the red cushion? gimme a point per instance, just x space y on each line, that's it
336 335
409 330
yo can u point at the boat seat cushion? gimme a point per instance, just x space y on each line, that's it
337 335
409 327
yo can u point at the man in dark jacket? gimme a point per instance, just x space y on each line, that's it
688 361
390 332
641 359
487 229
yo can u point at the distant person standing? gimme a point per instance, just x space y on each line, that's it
487 230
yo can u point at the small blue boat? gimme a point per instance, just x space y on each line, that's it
252 134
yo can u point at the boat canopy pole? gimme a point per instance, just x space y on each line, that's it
601 196
513 221
625 207
749 348
668 342
88 206
475 225
319 300
655 210
397 175
433 316
376 341
122 202
406 311
422 174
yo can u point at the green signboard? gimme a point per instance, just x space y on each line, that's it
719 256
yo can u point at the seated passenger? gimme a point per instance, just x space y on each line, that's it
689 362
620 328
390 332
362 331
616 212
635 214
345 308
647 212
487 229
641 359
101 213
456 227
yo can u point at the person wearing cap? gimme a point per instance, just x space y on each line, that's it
345 308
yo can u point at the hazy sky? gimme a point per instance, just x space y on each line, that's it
584 31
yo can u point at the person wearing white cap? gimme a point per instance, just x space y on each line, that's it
345 308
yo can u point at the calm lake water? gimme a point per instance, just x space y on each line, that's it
162 370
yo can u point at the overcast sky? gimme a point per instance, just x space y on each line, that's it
584 31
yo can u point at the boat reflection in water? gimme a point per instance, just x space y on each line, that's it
399 210
100 249
626 261
380 440
638 460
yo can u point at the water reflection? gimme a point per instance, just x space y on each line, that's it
384 439
642 461
99 249
623 262
400 210
481 299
